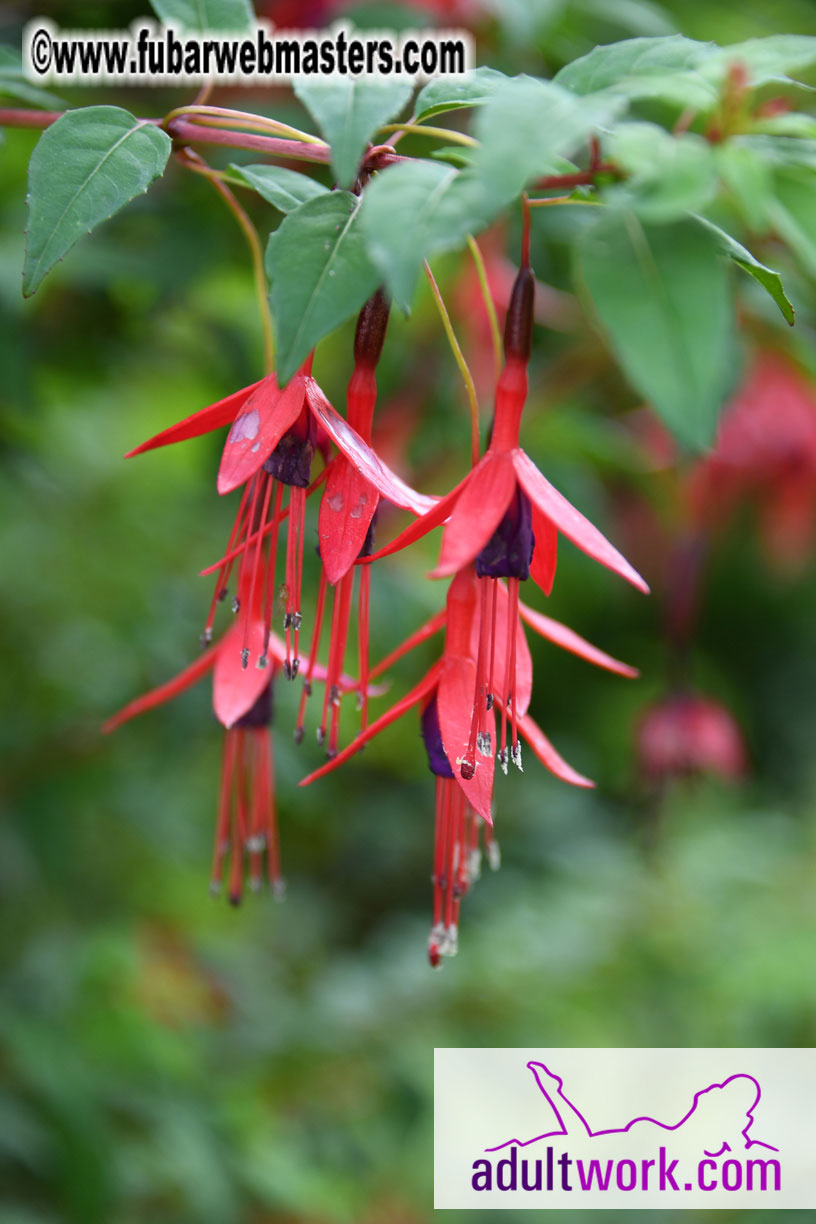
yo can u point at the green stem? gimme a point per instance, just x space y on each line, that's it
420 129
462 364
196 163
495 333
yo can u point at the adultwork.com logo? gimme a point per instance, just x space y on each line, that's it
719 1125
675 1128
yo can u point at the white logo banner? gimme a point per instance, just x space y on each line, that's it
662 1128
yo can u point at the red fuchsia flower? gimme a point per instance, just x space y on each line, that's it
348 511
686 734
247 829
242 702
504 518
275 432
445 697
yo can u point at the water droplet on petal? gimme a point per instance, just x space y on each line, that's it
246 427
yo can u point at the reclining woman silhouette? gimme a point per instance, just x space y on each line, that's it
718 1121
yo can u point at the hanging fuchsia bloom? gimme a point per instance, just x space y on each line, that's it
445 696
504 518
243 702
275 432
348 511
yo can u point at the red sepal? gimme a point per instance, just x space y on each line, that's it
201 422
346 509
478 511
266 417
455 706
425 686
545 552
570 522
237 688
568 639
165 692
362 457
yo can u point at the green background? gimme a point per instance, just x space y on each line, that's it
163 1057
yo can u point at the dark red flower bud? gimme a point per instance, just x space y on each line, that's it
371 326
518 327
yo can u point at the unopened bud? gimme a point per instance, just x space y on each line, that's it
518 326
370 334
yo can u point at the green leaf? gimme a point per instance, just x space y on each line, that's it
14 83
669 175
320 274
747 174
349 111
770 280
764 59
414 209
664 68
791 123
286 189
526 127
453 93
203 16
663 297
778 150
792 215
460 155
84 168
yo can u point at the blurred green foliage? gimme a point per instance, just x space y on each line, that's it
165 1058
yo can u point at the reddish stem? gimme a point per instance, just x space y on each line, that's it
525 230
581 178
186 132
28 118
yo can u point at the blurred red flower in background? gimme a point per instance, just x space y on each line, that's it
686 734
766 454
